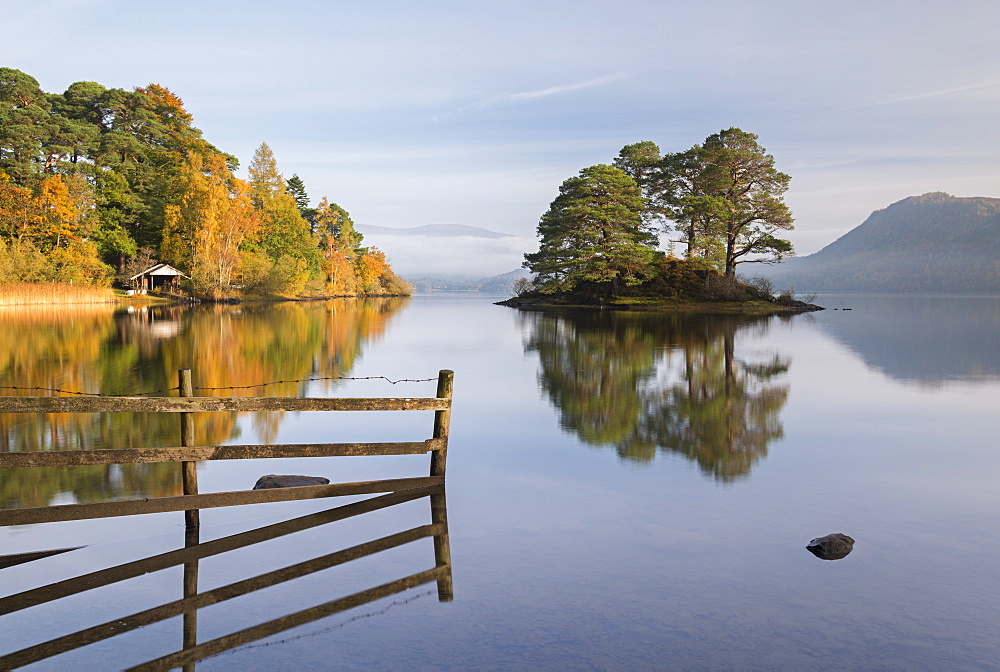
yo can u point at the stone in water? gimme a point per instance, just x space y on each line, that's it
276 481
831 547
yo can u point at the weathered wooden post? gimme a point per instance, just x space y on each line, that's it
442 421
439 508
189 472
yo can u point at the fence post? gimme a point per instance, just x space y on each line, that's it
189 472
190 618
442 546
442 421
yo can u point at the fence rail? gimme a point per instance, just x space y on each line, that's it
215 404
187 454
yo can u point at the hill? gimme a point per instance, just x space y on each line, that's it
433 230
929 243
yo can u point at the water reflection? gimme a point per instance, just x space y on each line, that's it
100 350
643 382
188 607
925 339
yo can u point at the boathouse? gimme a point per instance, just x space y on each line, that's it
157 276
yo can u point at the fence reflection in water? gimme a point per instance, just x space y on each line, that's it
193 552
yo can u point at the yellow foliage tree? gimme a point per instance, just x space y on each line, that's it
213 217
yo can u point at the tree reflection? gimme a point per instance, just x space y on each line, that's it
100 350
647 381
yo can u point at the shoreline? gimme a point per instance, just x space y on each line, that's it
650 304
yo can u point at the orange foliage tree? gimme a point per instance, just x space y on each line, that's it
372 268
214 216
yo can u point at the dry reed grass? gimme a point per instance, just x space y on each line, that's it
33 293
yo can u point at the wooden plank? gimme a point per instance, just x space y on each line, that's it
46 514
104 577
242 452
214 404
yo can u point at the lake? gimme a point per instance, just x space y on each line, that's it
625 490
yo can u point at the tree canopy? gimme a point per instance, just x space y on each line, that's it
726 198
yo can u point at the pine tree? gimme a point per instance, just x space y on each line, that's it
594 232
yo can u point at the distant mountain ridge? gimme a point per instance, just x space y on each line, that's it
433 230
502 283
929 243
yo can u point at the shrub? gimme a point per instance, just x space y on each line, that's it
522 286
763 285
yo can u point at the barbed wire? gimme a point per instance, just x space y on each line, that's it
293 638
309 380
88 394
209 389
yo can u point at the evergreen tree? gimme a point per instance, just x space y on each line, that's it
594 232
297 189
727 196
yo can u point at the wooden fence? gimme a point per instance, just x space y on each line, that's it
400 491
188 453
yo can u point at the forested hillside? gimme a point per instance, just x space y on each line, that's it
97 182
929 243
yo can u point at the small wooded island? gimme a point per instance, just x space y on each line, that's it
598 241
675 284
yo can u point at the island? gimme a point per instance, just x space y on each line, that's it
676 285
598 244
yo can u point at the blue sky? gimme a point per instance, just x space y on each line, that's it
474 112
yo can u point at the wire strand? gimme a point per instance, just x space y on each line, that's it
209 389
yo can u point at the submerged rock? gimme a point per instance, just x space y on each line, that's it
276 481
831 547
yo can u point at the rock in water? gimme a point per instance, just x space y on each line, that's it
831 547
276 481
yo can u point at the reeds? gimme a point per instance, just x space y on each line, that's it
29 293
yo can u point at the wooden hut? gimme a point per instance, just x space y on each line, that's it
157 276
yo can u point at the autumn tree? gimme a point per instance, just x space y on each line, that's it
593 232
211 221
339 248
373 270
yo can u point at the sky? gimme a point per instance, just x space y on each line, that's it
473 112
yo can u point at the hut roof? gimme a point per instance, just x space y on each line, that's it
159 269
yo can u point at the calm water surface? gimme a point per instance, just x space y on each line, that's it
625 490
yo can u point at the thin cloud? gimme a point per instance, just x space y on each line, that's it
513 98
553 90
930 94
